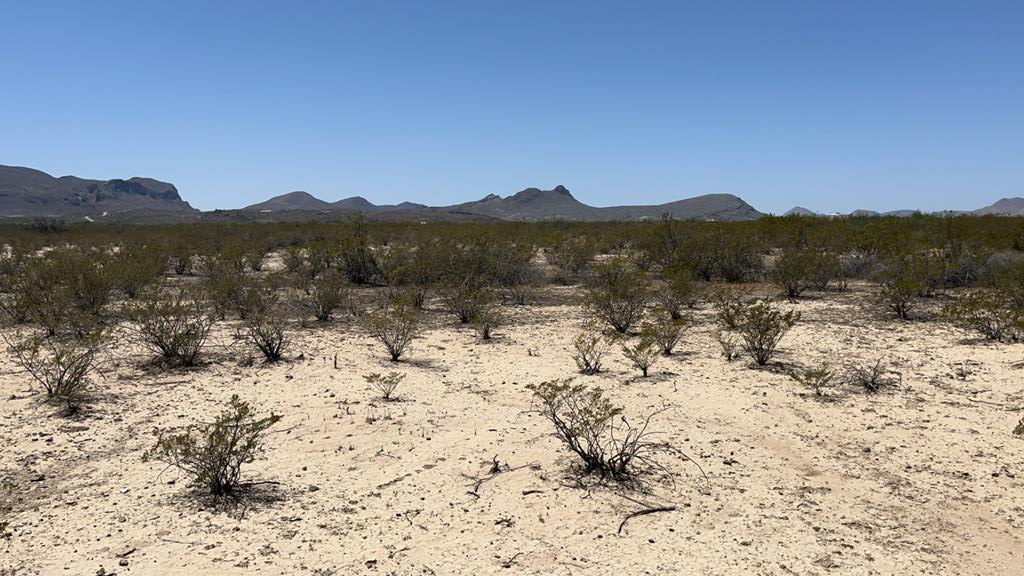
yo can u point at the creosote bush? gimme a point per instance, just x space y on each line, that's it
487 320
991 314
589 348
817 378
643 353
466 300
617 294
679 292
395 325
666 333
762 326
325 294
594 430
61 364
263 323
213 454
174 326
385 383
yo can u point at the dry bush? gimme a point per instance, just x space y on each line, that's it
643 353
729 343
762 326
590 347
817 378
61 364
173 326
395 326
594 429
617 294
991 314
873 378
213 453
385 383
667 333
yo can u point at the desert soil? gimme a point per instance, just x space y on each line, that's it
924 478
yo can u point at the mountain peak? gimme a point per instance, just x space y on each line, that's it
297 200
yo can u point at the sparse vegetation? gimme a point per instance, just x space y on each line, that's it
643 353
990 314
175 327
617 294
666 333
212 454
385 383
395 325
61 365
818 378
596 431
761 326
873 378
589 348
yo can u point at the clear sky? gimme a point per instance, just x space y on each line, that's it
827 104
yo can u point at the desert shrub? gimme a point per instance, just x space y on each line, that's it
873 377
395 326
61 365
679 292
643 353
264 328
135 267
792 271
728 305
824 271
666 333
617 294
466 299
817 378
487 320
213 454
357 260
570 257
589 349
738 259
410 268
385 383
761 327
729 343
255 253
226 288
985 312
900 287
181 259
174 326
325 294
594 429
294 261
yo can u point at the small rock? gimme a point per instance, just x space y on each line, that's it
39 478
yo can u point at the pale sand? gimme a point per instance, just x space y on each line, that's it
925 479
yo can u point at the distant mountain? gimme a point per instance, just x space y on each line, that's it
297 200
799 211
559 203
529 204
1007 206
27 192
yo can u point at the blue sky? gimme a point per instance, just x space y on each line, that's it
827 104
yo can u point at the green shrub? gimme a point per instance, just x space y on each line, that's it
817 378
466 300
985 312
325 294
666 333
617 294
594 429
213 454
589 349
642 354
385 383
174 326
395 326
901 285
679 293
264 325
761 327
61 365
135 267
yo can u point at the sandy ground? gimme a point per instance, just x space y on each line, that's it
923 479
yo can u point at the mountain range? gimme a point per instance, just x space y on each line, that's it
27 193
